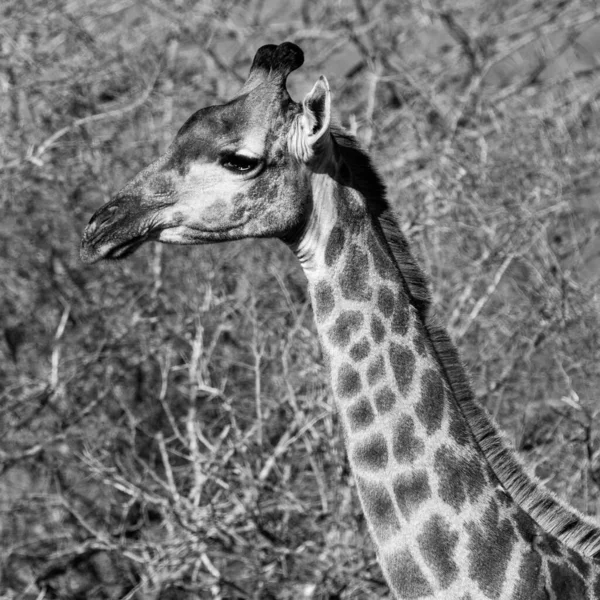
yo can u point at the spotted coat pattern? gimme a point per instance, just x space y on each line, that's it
443 525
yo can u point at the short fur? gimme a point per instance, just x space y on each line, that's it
557 518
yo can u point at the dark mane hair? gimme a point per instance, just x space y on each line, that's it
555 517
369 183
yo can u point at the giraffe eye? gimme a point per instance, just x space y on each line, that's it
238 163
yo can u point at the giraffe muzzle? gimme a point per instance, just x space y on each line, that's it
113 232
102 217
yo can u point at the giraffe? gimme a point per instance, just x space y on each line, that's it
450 509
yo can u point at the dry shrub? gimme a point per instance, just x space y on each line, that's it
166 429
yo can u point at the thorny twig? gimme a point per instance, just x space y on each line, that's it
34 156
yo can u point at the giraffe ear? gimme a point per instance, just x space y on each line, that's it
316 110
310 137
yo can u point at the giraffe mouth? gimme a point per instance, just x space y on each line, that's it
110 243
91 253
125 248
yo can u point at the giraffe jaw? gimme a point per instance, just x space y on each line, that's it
94 248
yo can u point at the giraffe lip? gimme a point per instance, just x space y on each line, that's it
91 253
125 248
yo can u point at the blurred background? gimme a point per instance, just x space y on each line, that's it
166 427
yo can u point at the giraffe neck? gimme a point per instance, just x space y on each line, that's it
409 451
433 504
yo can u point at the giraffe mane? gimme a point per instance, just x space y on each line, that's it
556 517
373 189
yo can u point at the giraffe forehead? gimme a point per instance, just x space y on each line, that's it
252 142
252 125
211 130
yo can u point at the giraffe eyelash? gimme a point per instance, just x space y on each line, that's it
239 163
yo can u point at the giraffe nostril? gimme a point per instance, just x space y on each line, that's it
101 218
106 215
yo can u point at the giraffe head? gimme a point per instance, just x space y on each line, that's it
233 171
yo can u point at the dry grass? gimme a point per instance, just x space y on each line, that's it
166 429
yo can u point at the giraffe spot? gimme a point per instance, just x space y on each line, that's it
354 278
324 300
385 400
406 445
183 155
430 408
371 455
527 528
579 563
530 583
347 323
403 366
265 187
475 480
335 245
240 211
376 370
405 576
547 545
411 491
360 414
420 338
503 498
492 512
401 316
377 330
348 382
566 584
383 262
490 545
437 543
459 478
379 509
457 427
385 302
360 350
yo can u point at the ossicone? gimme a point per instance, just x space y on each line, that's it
273 64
